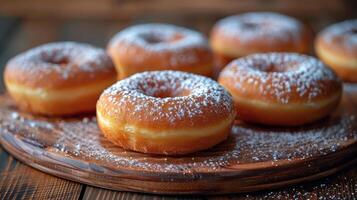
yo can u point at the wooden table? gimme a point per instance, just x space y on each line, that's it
18 181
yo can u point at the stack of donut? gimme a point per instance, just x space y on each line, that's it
164 103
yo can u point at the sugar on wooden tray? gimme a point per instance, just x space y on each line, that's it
81 138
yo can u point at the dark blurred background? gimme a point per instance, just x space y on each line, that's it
28 23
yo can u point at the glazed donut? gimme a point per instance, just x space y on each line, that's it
336 46
61 78
150 47
281 88
165 112
257 32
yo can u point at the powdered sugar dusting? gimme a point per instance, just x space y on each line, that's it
62 58
81 139
338 187
344 33
159 38
270 26
185 96
281 75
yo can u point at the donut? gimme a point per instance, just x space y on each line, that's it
336 46
283 89
151 47
257 32
62 78
165 112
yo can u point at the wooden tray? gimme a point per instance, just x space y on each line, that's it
253 158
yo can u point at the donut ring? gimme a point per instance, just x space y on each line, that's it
281 88
337 47
165 112
61 78
150 47
257 32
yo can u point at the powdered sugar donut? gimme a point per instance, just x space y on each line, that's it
149 47
337 47
59 78
257 32
165 112
281 88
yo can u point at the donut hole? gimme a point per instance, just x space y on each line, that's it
163 91
156 38
152 39
164 94
249 25
354 31
169 93
277 67
57 61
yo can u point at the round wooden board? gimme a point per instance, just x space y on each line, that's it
253 158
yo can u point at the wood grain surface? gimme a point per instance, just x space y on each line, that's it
340 186
119 9
18 34
18 181
253 158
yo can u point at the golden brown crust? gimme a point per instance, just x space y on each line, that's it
175 48
83 104
293 116
59 66
234 47
142 118
172 106
344 65
336 47
59 78
168 146
53 80
294 89
264 32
